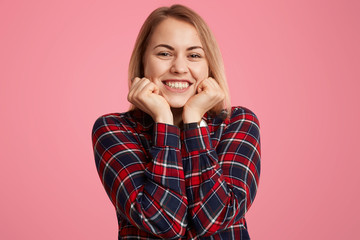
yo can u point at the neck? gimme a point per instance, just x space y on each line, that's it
177 116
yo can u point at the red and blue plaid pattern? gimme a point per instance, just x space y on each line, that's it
170 183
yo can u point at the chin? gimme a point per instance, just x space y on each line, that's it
178 102
177 105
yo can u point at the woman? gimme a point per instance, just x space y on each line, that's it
181 163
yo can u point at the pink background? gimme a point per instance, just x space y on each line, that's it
294 63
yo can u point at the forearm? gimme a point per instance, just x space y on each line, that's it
223 180
146 189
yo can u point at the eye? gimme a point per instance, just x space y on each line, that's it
164 54
195 55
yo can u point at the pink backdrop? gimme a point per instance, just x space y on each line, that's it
294 63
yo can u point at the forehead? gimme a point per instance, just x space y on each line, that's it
175 33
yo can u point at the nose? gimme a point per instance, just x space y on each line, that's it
179 65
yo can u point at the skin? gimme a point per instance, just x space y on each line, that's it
175 55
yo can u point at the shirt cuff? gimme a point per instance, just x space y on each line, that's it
197 138
166 135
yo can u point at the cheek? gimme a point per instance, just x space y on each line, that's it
201 71
148 69
154 67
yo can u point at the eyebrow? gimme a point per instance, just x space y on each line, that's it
171 48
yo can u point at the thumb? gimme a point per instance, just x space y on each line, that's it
155 89
200 87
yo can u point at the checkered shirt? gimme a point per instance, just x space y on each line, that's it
169 183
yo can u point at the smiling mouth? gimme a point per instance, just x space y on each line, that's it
180 85
177 85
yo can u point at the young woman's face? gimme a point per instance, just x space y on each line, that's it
175 61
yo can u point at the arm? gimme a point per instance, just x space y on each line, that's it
223 180
149 193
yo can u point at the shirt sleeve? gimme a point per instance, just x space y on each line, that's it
223 180
149 191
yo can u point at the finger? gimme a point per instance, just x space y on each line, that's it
151 88
212 82
146 92
131 88
204 85
156 90
200 86
140 85
135 89
138 80
134 81
213 85
199 82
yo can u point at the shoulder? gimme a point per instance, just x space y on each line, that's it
131 121
243 121
113 121
239 113
240 120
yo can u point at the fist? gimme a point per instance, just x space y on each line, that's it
208 95
144 95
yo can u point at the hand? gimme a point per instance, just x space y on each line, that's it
145 95
208 95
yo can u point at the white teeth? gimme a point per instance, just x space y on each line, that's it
177 85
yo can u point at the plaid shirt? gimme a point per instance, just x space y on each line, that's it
170 183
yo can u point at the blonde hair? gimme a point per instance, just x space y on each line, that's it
210 46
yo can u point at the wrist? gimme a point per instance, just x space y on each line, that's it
168 119
191 116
